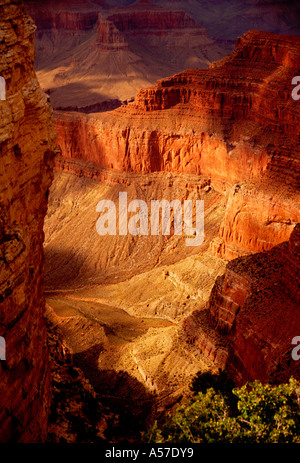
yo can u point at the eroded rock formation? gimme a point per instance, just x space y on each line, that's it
26 146
254 312
235 123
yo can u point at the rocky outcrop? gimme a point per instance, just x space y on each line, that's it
252 315
109 37
26 146
235 123
152 142
259 215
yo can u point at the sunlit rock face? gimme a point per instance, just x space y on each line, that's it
26 146
235 123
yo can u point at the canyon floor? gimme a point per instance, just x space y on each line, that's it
120 301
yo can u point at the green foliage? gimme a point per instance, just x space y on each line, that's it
269 413
264 414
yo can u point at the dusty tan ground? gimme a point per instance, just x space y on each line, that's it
120 303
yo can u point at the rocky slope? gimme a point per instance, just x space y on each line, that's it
26 145
235 123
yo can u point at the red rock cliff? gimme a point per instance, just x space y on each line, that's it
254 308
69 15
235 123
253 315
26 146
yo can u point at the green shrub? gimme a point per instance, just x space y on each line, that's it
263 414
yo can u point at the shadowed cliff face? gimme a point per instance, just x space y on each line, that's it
26 148
254 312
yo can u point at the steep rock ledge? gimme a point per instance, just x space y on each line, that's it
26 147
252 315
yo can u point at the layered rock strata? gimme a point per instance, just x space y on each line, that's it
235 123
26 146
253 315
88 54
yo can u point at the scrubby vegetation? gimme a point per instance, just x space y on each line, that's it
253 413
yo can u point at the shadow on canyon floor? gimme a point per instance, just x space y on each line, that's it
59 274
123 394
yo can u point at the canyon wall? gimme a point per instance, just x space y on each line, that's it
151 17
26 146
235 123
254 307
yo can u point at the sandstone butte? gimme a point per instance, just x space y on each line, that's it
26 144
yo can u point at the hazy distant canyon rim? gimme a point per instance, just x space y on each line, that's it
93 55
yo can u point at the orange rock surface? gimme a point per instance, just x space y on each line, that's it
254 311
235 123
27 142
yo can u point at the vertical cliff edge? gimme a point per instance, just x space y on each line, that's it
26 150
